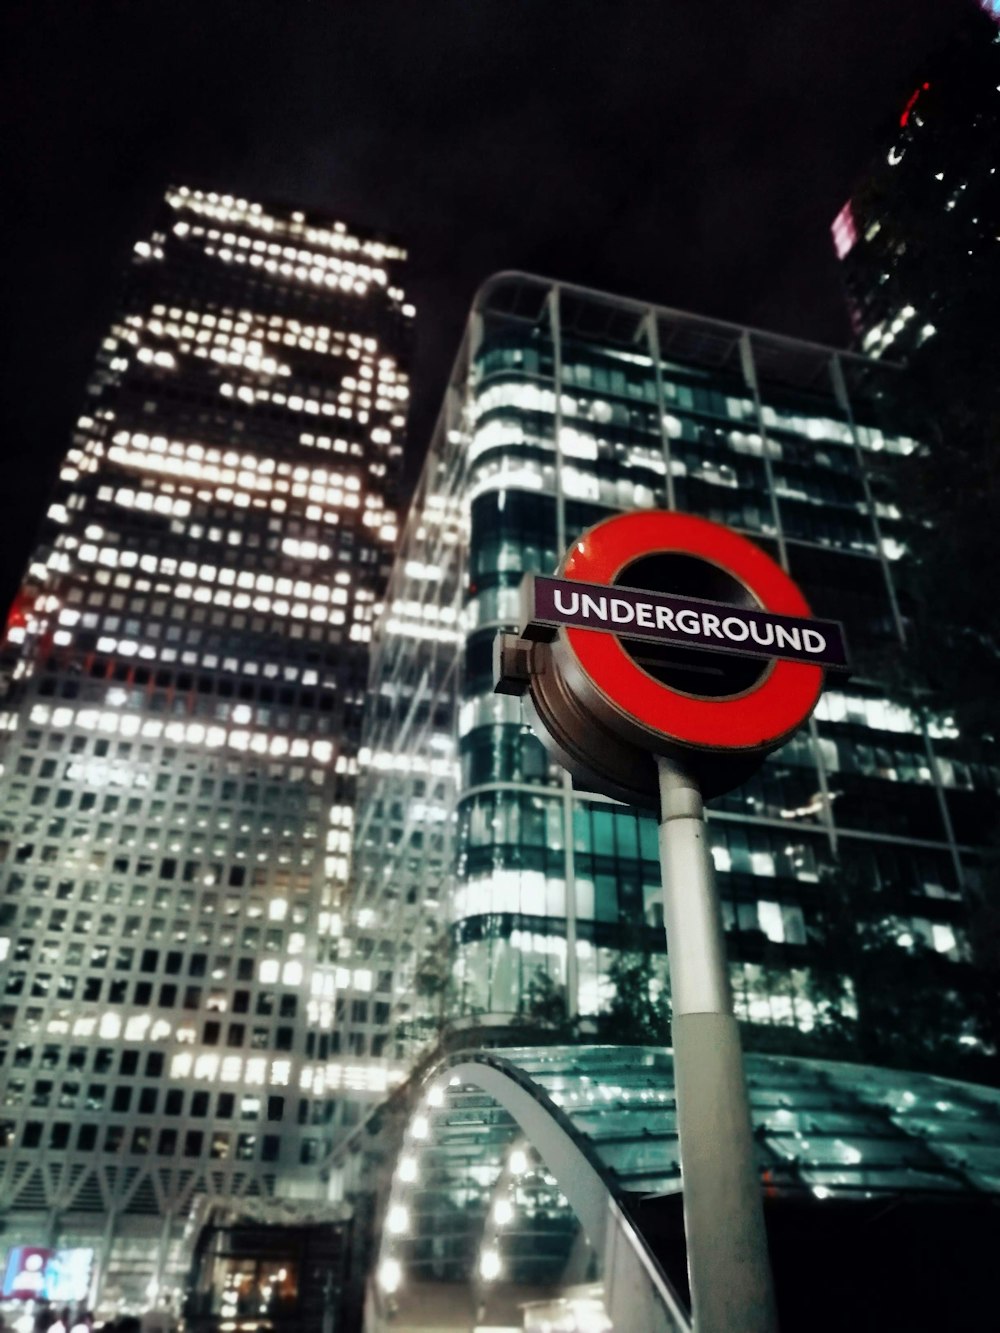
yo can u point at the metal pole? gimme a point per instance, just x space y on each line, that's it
569 855
728 1266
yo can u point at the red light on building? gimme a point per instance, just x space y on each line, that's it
912 102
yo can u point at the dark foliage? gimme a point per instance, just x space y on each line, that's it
635 1015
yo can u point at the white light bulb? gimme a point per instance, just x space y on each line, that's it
489 1265
390 1274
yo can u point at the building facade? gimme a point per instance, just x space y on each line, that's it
184 672
509 898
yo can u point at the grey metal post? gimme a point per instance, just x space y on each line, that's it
569 856
728 1265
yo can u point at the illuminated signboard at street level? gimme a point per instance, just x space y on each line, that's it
35 1273
705 652
635 613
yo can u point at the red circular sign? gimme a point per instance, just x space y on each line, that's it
758 718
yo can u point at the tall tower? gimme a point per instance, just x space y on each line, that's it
917 238
185 669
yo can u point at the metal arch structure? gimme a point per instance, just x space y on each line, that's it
636 1291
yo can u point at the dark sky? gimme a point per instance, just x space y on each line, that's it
680 151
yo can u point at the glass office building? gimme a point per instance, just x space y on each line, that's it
184 672
499 892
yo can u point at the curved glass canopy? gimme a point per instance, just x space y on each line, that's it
507 1148
820 1125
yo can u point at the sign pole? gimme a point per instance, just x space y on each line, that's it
728 1265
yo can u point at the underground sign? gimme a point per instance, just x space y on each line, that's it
667 634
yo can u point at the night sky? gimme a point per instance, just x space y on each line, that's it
679 151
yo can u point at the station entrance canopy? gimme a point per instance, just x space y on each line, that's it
547 1178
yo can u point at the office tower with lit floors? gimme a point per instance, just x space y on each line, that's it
917 239
184 670
520 915
546 430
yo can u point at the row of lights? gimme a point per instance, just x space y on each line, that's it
389 1274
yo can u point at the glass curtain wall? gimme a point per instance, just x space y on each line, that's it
567 406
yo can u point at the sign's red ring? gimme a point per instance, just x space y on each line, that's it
757 719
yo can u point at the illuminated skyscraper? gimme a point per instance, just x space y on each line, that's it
185 671
917 239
